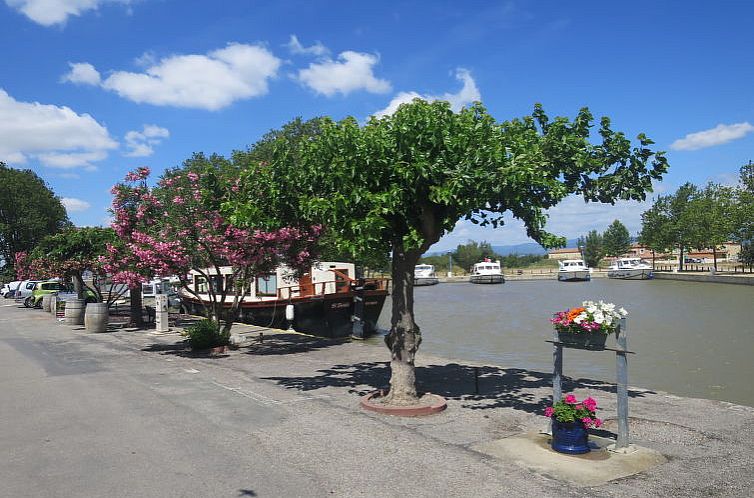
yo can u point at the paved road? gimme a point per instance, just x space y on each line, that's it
129 414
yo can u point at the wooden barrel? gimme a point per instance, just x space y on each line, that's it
74 311
96 317
46 302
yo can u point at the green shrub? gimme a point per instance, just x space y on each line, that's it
205 334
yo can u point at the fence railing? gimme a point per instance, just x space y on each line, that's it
706 268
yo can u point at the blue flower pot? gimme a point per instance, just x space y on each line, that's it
570 437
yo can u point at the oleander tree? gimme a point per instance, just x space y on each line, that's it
72 253
400 182
178 226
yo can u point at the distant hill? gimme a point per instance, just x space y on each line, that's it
525 248
528 248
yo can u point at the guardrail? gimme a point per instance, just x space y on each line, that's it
706 268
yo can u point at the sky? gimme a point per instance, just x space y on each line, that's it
90 89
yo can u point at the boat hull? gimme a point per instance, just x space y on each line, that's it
421 281
574 276
330 315
630 274
486 279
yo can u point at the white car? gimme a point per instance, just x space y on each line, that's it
9 289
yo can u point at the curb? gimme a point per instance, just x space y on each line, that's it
437 406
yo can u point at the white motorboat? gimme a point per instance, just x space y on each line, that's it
573 270
425 275
630 269
487 272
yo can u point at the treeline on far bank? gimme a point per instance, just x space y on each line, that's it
466 255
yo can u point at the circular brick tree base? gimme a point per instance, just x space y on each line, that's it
371 402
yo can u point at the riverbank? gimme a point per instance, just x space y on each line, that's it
281 416
708 277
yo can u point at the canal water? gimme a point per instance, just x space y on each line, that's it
691 339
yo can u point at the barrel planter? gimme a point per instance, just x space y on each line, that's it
570 437
54 306
46 302
96 317
74 311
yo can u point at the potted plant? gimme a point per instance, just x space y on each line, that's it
570 420
587 326
205 335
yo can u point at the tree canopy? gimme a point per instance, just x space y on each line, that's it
400 182
593 248
616 241
29 211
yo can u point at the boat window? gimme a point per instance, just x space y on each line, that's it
200 284
267 285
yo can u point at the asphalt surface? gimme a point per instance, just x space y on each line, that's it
131 413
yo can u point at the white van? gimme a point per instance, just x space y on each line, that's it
25 289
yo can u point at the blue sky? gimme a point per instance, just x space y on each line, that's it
90 89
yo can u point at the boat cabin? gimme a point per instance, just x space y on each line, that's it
572 264
324 278
487 268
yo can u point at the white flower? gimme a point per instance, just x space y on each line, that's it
623 312
599 318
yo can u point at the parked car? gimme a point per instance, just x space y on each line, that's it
9 289
56 287
693 260
25 289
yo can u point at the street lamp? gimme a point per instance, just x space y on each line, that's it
450 266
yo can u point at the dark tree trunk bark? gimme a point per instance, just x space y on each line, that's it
404 337
78 286
680 260
714 257
137 319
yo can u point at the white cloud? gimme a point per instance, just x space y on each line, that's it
83 73
56 136
210 81
295 47
718 135
141 143
73 205
51 12
466 95
352 71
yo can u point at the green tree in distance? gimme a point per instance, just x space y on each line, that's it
593 248
669 223
712 218
466 255
616 240
29 211
400 182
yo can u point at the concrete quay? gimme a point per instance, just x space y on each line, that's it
708 277
134 413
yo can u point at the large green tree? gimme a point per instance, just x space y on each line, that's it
712 218
616 241
592 247
29 211
400 182
466 255
670 223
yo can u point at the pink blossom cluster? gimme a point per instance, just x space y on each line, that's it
570 409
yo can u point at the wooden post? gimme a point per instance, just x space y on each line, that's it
622 384
557 368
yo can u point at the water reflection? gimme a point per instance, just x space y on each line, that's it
692 339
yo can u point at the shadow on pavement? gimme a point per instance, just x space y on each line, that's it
477 387
284 344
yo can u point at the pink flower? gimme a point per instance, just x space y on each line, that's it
590 404
571 399
193 177
597 422
549 411
579 407
586 421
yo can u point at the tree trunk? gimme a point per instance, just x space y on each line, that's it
137 319
714 257
404 337
680 260
79 286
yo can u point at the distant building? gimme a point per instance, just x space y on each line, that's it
566 253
